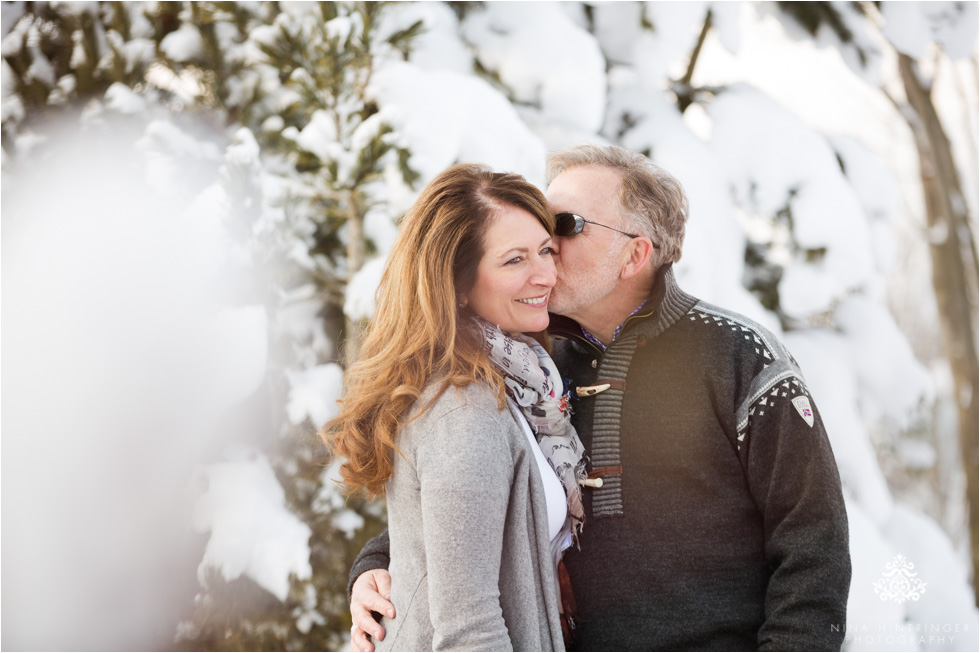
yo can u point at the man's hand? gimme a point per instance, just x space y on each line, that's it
370 592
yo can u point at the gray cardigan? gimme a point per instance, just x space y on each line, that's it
471 562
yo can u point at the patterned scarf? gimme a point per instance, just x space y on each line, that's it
534 384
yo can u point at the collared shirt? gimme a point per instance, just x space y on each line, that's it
595 341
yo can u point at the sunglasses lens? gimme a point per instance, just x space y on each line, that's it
568 224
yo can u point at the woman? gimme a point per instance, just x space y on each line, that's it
438 415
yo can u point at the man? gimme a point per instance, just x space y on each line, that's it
720 523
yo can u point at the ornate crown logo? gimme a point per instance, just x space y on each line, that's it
899 582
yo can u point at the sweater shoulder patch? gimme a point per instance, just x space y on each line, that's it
802 406
774 395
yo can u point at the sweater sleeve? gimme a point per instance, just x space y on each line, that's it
794 481
465 470
374 555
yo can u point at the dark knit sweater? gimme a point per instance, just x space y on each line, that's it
726 528
732 533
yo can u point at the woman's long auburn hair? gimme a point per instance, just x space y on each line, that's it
419 334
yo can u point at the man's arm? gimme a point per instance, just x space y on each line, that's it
794 480
374 555
369 592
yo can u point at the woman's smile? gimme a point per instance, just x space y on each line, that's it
535 301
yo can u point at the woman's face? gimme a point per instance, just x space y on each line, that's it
516 274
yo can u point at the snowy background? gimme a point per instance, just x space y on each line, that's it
197 203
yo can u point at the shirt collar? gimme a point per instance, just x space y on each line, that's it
595 341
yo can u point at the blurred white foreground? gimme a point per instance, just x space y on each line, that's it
123 346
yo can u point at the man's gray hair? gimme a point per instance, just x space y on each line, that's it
652 200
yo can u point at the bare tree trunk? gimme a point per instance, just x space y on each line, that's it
954 273
356 249
685 94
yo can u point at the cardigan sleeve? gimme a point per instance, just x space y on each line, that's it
794 481
465 470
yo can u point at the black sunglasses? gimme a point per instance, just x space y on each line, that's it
569 224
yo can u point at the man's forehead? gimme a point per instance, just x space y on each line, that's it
579 187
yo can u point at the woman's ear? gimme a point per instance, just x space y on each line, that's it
639 252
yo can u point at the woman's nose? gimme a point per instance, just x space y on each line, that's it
545 272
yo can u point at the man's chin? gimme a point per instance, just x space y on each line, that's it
556 307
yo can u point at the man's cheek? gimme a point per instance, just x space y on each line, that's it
566 256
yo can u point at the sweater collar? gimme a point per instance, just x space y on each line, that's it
663 307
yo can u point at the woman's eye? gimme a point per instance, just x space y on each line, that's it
514 261
548 250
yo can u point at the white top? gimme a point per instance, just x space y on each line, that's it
554 493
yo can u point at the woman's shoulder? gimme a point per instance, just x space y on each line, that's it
460 412
472 399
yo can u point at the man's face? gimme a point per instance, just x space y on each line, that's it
589 262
